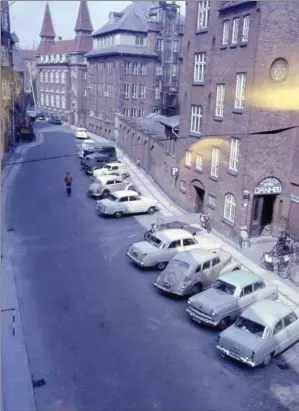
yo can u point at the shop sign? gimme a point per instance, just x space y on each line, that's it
270 185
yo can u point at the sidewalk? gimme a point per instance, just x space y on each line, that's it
249 258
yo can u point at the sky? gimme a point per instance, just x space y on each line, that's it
26 17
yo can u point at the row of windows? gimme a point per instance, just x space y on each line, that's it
135 68
52 90
134 91
134 112
215 158
50 100
106 90
58 76
57 58
107 41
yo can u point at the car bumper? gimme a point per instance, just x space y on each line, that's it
101 211
199 318
93 195
135 259
236 357
167 290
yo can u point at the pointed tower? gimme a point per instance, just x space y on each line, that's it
83 25
47 32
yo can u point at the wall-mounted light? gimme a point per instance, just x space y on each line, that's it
246 195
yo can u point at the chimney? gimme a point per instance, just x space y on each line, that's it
59 38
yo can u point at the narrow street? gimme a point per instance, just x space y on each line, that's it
96 329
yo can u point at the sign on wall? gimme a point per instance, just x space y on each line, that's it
269 185
174 171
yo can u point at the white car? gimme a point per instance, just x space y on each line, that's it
118 168
104 185
81 133
163 245
126 202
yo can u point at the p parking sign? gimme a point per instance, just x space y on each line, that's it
174 171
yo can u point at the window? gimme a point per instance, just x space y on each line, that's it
246 290
174 70
46 76
139 40
127 112
51 77
157 93
156 110
215 161
109 67
42 101
170 146
198 162
175 46
85 93
229 208
212 201
188 241
188 158
290 319
220 90
235 32
100 89
258 285
135 68
143 69
126 90
203 14
196 119
123 199
234 154
225 32
215 261
63 102
85 76
278 327
159 45
134 91
41 77
206 265
63 77
101 68
240 90
58 101
199 67
47 99
183 185
127 68
142 92
57 77
142 112
245 29
159 70
134 112
175 244
52 100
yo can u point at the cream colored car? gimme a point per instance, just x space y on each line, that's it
104 185
81 133
112 168
162 246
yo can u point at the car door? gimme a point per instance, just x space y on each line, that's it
173 248
291 323
117 184
206 272
247 297
216 266
188 243
280 336
136 204
124 205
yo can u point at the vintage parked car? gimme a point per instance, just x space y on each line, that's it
55 120
231 294
126 202
106 150
191 272
133 187
119 168
81 133
161 247
105 185
263 330
95 161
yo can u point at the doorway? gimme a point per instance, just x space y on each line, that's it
199 200
262 214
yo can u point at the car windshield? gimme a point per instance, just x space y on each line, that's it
112 197
250 326
107 167
224 287
154 241
179 263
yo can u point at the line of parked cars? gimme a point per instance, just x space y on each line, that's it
254 325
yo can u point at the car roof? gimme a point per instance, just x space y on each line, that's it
267 312
114 164
200 255
172 234
110 177
122 193
241 278
81 129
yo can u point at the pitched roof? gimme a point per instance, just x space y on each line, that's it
55 47
47 29
28 54
83 19
149 125
82 44
133 18
122 49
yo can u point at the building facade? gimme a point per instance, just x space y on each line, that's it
133 68
28 56
62 69
239 88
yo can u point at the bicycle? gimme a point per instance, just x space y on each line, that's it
281 264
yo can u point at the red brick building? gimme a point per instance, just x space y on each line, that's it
239 76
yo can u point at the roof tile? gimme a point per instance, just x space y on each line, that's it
83 20
47 26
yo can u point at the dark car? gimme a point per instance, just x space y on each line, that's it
103 149
41 117
55 120
97 160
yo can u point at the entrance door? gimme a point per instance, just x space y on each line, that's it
262 213
199 201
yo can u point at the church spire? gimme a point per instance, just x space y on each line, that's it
47 31
83 23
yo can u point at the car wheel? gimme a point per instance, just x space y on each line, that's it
196 289
151 210
223 323
118 214
267 360
105 194
161 266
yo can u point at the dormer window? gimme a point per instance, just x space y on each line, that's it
139 40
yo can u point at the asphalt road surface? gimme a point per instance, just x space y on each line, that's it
96 329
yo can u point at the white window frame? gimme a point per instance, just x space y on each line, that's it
199 67
127 91
63 77
235 30
134 112
196 119
57 77
85 93
63 102
174 70
215 162
142 91
51 77
84 75
245 28
175 46
159 44
143 69
141 112
229 210
127 68
188 158
203 15
234 154
225 32
42 99
41 77
47 100
240 90
159 70
157 93
212 200
135 69
109 67
127 112
135 91
57 101
198 162
139 40
220 94
52 100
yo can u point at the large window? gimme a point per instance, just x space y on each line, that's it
135 68
63 77
134 112
127 68
143 69
199 67
41 77
142 92
159 45
127 112
51 77
240 90
159 70
139 40
220 90
134 91
225 32
57 77
203 14
109 67
63 102
229 208
188 158
42 101
245 30
198 162
234 154
235 32
196 119
126 90
58 101
52 100
215 162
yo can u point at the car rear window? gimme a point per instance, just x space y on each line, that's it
180 263
224 287
250 326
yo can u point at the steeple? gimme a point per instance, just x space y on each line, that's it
47 32
83 24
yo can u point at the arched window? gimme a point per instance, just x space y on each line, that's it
229 208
